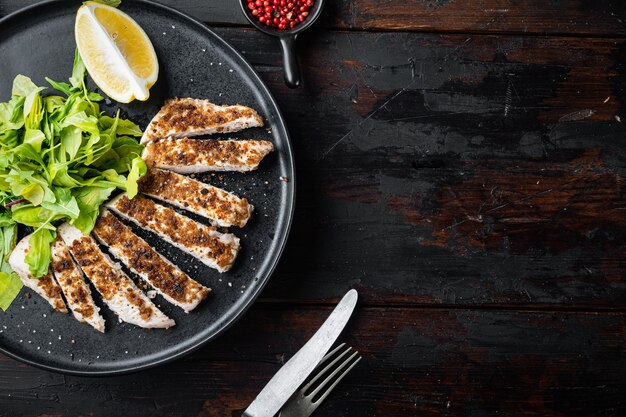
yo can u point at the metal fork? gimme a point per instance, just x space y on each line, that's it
303 403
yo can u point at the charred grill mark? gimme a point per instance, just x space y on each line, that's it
61 266
180 229
181 115
106 279
145 310
52 291
243 155
224 208
140 257
74 288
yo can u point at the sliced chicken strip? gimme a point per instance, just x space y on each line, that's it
187 156
172 283
118 291
219 206
181 117
215 249
45 286
75 289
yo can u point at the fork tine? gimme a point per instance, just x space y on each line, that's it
304 405
331 353
327 367
325 394
332 375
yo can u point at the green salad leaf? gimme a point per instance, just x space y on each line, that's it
61 158
89 199
10 283
10 286
39 253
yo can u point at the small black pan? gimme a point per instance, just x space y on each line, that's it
287 39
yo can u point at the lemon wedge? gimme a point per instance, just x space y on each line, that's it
116 51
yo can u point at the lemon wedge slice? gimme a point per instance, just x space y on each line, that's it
116 51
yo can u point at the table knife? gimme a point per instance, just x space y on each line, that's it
288 378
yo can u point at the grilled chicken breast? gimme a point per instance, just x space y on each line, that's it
219 206
45 286
172 283
215 249
75 289
181 117
187 156
118 291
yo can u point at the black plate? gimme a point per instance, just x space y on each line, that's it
194 62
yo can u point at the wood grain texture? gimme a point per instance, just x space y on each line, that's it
562 17
582 17
417 362
468 170
460 182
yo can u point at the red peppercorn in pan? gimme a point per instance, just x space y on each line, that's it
280 14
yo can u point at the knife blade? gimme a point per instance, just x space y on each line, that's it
292 374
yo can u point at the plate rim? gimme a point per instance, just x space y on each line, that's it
285 225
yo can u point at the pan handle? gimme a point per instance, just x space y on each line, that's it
292 72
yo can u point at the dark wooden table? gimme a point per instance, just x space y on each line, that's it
461 163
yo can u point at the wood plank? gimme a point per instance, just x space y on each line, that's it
454 169
563 17
420 362
579 17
